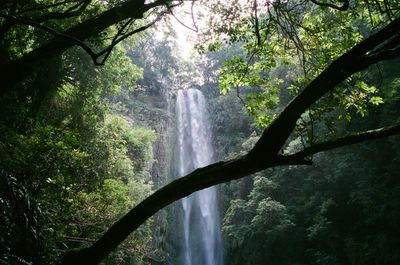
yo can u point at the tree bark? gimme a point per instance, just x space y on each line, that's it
265 153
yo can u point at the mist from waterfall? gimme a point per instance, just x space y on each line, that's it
201 222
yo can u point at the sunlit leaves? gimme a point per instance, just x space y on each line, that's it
303 39
238 72
326 34
258 104
376 100
233 73
242 75
355 96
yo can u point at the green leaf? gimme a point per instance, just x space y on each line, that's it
376 100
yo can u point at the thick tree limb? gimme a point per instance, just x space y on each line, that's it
52 31
349 63
40 7
264 155
199 179
256 23
120 36
195 29
343 7
16 71
382 55
299 157
117 39
70 12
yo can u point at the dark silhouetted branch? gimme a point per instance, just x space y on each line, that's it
70 12
351 62
15 71
343 7
256 23
265 153
94 55
340 142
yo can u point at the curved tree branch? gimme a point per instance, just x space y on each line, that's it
70 12
349 63
182 23
256 23
265 153
343 7
118 38
16 71
40 7
52 31
94 55
359 137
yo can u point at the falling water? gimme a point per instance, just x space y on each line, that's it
201 227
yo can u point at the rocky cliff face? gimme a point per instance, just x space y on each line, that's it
155 109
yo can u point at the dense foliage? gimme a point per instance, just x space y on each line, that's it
341 210
81 145
71 163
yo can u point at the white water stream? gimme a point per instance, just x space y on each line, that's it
201 222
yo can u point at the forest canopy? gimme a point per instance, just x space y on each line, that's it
85 91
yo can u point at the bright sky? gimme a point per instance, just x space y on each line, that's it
185 36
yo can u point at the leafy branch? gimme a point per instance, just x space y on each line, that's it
265 154
301 156
15 71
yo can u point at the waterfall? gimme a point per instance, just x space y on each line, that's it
201 227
